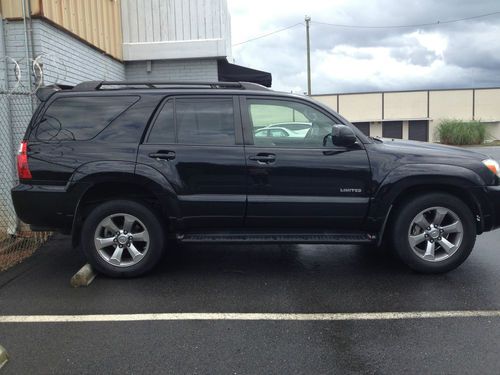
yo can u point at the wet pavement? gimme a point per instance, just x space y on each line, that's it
255 279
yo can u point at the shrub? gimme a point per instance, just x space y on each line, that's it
459 132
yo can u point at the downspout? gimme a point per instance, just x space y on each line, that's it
33 55
31 35
27 51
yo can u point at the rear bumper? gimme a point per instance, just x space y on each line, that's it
45 206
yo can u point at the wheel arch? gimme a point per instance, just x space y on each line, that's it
147 186
456 181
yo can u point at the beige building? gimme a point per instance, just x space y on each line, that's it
416 114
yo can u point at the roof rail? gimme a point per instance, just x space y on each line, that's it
45 92
96 85
254 86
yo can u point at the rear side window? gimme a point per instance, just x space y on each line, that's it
80 118
208 121
164 128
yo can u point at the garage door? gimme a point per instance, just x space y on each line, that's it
392 129
418 130
363 126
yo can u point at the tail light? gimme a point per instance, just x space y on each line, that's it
23 170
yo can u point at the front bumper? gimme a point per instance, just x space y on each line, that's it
488 198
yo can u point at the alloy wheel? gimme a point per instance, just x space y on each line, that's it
122 240
435 234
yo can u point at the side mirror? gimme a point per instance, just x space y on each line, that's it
343 135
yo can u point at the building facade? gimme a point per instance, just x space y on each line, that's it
415 115
45 42
175 39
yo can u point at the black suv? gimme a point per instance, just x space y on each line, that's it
124 166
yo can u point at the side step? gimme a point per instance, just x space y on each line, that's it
255 237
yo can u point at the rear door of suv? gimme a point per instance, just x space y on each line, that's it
196 142
301 180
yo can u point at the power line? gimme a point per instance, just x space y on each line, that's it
269 34
436 23
408 26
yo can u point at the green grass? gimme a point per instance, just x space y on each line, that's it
459 132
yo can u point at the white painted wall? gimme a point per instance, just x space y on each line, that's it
175 29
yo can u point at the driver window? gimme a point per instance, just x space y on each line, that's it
281 123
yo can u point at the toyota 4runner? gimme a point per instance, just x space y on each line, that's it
124 166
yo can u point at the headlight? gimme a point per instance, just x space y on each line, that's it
492 165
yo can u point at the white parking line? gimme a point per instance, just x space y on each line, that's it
249 316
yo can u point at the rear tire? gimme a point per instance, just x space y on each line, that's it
433 233
122 238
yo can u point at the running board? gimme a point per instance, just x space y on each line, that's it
317 238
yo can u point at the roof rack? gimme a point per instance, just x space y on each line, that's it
96 85
45 92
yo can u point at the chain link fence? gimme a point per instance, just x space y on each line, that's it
17 242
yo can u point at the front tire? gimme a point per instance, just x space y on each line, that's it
122 238
433 233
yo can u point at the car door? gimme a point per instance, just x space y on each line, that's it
301 181
196 143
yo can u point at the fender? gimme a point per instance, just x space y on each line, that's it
116 172
411 176
161 187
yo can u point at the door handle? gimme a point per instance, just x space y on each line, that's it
263 158
165 155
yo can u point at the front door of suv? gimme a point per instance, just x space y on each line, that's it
196 143
301 179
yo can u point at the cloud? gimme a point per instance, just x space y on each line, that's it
462 54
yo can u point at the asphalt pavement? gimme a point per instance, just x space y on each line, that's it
492 151
255 279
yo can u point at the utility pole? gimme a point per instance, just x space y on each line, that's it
308 19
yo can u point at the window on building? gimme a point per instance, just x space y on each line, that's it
392 129
363 126
418 130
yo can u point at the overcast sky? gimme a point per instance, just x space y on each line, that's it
461 54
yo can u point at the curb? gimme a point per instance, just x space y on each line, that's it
4 357
83 277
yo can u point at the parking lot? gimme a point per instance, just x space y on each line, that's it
255 309
255 279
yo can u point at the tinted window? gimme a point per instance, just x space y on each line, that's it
289 124
205 121
163 130
80 118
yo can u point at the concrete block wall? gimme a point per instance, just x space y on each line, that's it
7 167
65 60
75 61
173 70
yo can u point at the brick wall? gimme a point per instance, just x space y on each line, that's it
173 70
65 60
81 62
